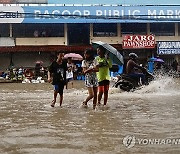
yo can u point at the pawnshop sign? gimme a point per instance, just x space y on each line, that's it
138 41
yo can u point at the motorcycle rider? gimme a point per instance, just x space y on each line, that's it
132 66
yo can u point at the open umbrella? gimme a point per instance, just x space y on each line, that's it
153 59
74 56
113 53
159 60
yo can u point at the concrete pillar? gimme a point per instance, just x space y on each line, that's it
119 30
177 57
176 29
66 34
10 30
148 29
91 33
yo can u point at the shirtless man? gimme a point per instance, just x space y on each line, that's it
132 66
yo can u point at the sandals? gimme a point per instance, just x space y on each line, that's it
99 104
52 103
94 106
84 105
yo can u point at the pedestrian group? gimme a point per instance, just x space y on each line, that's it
97 76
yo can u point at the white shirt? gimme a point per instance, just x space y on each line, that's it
69 74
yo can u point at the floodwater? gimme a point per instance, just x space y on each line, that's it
144 121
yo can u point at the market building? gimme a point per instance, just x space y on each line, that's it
34 30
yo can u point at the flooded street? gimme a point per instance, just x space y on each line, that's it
29 125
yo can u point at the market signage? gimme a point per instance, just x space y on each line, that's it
11 14
138 41
89 14
168 48
119 2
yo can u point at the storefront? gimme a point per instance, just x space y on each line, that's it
169 50
72 28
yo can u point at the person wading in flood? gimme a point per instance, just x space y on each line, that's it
91 82
103 75
57 75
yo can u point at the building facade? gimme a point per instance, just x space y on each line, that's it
31 32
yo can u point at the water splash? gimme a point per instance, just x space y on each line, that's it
164 84
161 85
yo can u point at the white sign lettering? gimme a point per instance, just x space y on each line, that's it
168 48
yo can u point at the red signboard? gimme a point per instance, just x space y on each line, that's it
138 41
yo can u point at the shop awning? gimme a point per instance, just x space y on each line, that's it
77 48
44 48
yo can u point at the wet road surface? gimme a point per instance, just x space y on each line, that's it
29 125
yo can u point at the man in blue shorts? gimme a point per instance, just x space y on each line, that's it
57 75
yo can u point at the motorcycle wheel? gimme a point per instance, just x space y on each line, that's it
126 86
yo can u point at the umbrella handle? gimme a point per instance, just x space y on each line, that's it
107 55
